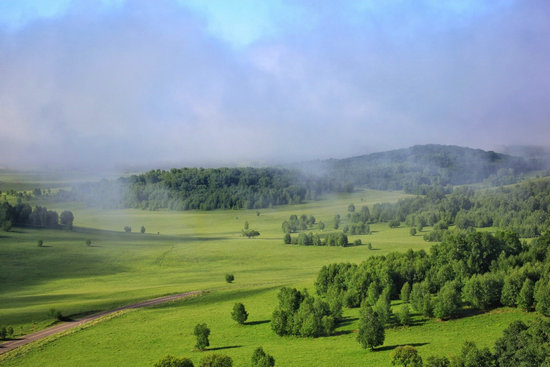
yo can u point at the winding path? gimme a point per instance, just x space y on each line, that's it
29 338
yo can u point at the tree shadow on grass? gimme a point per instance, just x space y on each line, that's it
346 321
342 332
467 312
257 322
392 347
222 348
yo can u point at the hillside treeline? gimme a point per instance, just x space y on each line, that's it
204 189
22 215
523 208
476 268
418 168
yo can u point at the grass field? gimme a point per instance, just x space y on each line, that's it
184 251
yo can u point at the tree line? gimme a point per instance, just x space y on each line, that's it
24 215
204 189
523 208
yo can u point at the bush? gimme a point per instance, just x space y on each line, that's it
56 314
239 313
171 361
412 232
229 278
357 242
127 229
216 360
88 242
142 229
201 332
262 359
406 356
40 243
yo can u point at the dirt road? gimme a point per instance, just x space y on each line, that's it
12 344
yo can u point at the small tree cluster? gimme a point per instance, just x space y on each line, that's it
6 332
311 239
127 229
300 314
406 356
216 360
295 223
171 361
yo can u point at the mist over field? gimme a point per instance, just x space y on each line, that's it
141 83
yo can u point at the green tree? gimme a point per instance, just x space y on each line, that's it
142 229
229 278
88 242
261 359
201 332
216 360
287 239
351 208
542 296
447 301
239 313
66 219
405 292
412 231
40 243
371 330
406 356
127 229
526 295
404 315
321 226
171 361
246 224
250 233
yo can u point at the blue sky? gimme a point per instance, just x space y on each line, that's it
238 82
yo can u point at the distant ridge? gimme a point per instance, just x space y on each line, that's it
416 168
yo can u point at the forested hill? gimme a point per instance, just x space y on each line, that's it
204 189
415 169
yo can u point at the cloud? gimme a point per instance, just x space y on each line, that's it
151 82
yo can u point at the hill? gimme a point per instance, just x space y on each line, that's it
416 168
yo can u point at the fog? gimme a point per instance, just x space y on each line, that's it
145 83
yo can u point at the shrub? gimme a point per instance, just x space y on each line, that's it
56 314
88 242
412 232
171 361
262 359
406 356
229 278
142 229
216 360
127 229
40 243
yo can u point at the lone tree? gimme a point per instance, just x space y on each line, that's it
142 230
88 242
250 233
127 229
239 313
40 243
229 278
371 331
171 361
262 359
201 332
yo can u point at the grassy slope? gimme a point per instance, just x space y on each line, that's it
193 251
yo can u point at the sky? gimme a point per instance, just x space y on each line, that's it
120 83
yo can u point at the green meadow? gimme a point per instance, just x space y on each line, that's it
184 251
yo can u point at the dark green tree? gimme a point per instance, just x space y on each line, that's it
239 313
526 295
201 332
261 359
142 229
404 315
229 278
371 330
66 219
447 302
